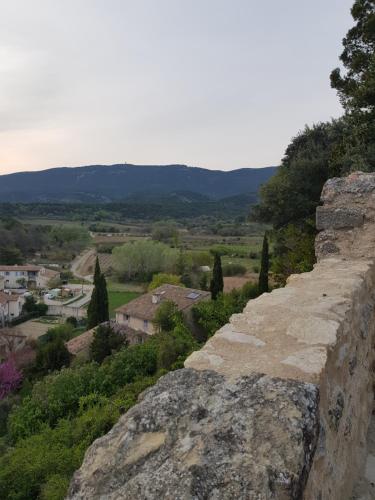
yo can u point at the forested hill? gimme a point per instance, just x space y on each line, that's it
100 183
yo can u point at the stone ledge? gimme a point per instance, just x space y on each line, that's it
290 332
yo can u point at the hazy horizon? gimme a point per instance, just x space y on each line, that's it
209 84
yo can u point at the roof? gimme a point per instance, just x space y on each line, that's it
144 308
20 268
7 297
83 341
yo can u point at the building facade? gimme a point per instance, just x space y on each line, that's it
139 313
10 307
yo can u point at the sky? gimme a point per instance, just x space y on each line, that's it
220 84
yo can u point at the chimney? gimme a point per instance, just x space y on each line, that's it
155 298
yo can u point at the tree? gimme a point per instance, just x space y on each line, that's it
356 85
52 356
166 317
97 311
162 278
309 160
356 88
72 320
10 378
31 306
105 341
166 232
217 281
142 259
293 250
264 267
10 256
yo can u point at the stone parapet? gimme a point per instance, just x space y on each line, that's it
277 403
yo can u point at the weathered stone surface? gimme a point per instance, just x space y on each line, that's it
348 217
338 218
196 435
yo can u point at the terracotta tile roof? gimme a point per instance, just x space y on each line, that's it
80 342
20 268
143 307
7 297
83 341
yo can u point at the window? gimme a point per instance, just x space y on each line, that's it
145 324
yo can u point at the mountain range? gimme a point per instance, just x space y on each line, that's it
115 183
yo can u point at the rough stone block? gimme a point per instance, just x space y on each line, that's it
338 218
196 435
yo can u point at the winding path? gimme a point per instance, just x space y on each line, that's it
81 262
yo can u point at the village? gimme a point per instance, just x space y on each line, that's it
20 329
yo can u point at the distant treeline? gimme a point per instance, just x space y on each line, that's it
175 207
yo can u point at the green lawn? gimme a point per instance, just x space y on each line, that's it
117 299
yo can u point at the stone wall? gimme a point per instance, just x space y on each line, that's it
277 403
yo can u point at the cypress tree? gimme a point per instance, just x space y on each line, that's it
93 310
264 267
97 311
217 281
104 309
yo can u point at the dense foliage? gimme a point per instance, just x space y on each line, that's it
167 316
164 278
105 342
213 314
141 259
19 241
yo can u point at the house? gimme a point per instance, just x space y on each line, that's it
2 283
10 307
139 313
27 276
20 276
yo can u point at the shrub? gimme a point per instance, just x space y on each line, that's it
234 270
162 278
52 356
72 321
166 317
10 378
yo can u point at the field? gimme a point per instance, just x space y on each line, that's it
117 299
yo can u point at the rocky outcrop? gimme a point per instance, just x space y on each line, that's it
277 403
197 435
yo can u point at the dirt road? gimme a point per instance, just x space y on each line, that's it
82 266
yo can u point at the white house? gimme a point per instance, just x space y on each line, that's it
28 276
10 307
21 276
